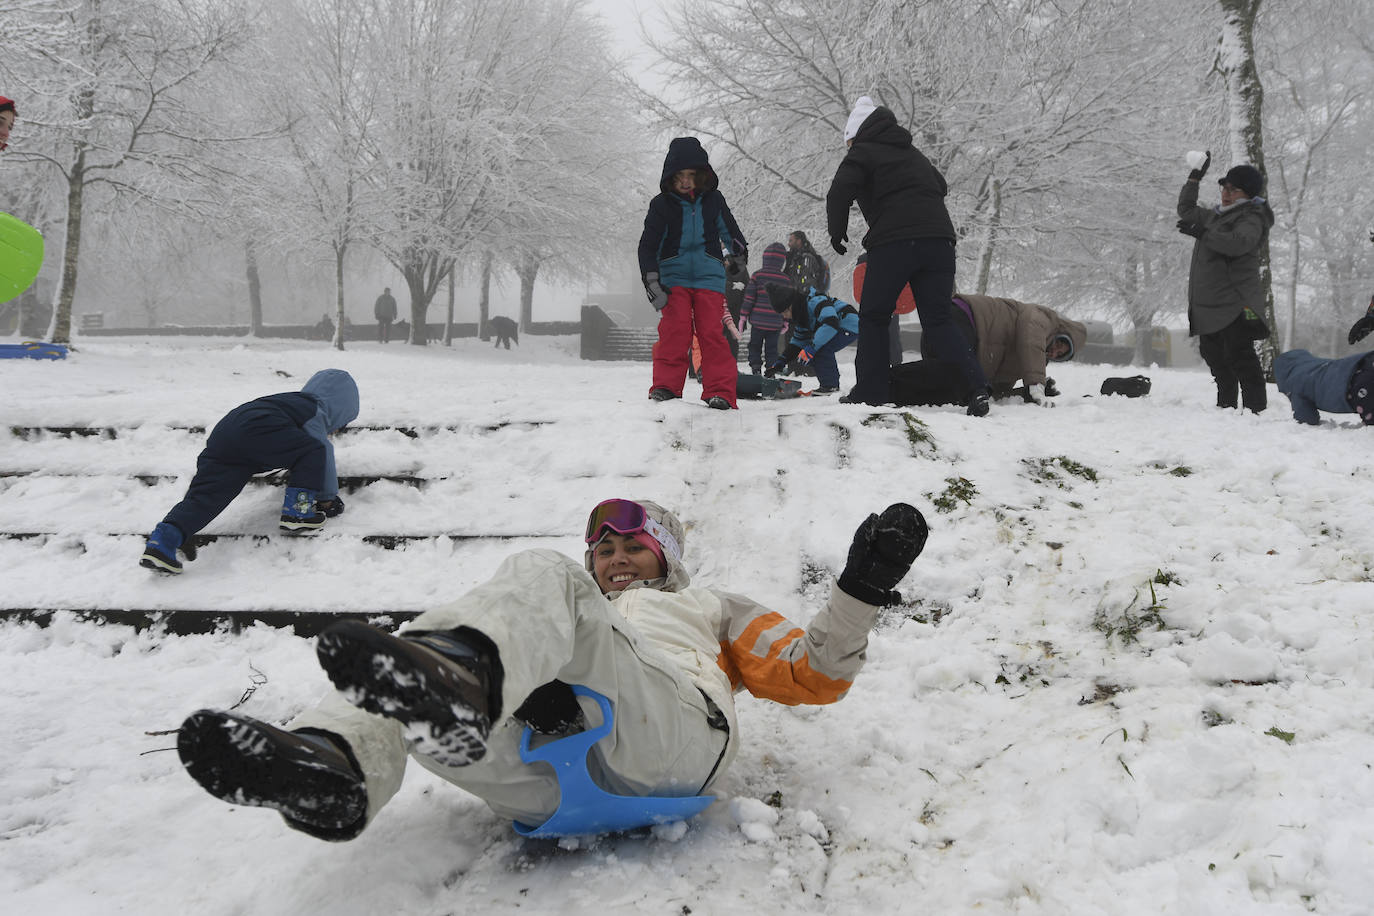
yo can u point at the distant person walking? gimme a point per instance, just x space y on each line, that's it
1224 278
384 310
910 240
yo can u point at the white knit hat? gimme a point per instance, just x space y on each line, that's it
862 109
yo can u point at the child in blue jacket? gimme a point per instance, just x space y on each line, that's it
687 231
289 430
1313 384
821 326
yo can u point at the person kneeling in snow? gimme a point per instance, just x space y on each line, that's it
459 686
1314 384
821 326
289 430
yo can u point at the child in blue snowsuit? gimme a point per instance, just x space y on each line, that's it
821 326
289 430
1314 384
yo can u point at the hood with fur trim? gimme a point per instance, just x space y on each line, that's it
677 578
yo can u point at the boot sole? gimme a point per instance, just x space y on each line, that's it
246 762
436 701
158 563
299 527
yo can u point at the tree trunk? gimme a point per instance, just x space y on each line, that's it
340 317
529 270
60 330
984 275
484 300
254 288
448 319
1245 98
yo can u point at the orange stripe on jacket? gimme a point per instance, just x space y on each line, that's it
771 677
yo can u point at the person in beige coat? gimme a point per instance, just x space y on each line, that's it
458 688
1015 340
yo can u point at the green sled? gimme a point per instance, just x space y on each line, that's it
21 255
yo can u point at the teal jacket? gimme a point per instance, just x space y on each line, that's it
685 239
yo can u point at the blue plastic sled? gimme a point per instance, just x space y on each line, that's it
587 808
32 349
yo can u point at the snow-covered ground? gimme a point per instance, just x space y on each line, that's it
1135 673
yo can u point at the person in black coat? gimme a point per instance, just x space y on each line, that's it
910 240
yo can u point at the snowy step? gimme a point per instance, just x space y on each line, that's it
31 433
347 483
188 622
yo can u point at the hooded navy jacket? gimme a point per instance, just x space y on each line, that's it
684 239
1314 384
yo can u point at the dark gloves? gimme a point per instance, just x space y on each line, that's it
1197 173
188 549
1361 328
774 368
657 293
1188 227
884 548
838 243
1051 389
332 508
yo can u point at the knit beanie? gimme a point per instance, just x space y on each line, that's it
1245 177
782 296
862 109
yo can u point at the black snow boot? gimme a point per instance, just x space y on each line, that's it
444 687
310 777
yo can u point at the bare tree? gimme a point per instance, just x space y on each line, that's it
573 146
107 86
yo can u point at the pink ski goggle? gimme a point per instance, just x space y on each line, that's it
624 516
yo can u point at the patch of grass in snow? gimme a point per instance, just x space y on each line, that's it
1128 623
957 490
920 611
1043 470
918 434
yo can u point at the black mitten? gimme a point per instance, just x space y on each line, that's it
332 508
1360 329
884 548
1188 227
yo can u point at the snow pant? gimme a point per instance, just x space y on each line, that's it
928 383
1231 358
549 621
763 348
251 438
823 360
927 265
383 330
701 312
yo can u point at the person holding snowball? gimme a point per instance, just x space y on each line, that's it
468 687
1224 289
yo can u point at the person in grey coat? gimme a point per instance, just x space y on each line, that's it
1314 384
1224 278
